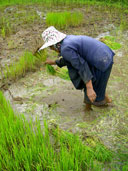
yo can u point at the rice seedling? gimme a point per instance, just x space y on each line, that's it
28 62
50 69
111 42
24 146
63 73
50 3
3 32
30 18
60 72
64 19
6 27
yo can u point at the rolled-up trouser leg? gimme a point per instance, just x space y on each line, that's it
99 86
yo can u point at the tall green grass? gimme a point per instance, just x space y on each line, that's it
62 2
65 19
27 62
30 63
25 146
5 27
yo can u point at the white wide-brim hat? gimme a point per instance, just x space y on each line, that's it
51 36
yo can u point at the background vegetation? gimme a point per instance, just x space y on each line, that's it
62 20
57 2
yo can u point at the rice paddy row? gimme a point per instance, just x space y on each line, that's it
29 62
118 3
27 146
62 20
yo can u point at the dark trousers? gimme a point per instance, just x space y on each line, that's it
99 82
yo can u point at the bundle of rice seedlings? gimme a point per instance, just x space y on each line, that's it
63 73
50 69
111 42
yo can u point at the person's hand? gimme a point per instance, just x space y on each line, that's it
91 94
50 62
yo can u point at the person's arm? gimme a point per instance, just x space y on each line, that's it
50 62
90 91
83 69
59 62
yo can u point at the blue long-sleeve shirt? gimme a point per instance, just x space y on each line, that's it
81 54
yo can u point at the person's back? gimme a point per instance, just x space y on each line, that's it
89 63
96 53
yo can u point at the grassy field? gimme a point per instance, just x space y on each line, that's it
64 2
25 145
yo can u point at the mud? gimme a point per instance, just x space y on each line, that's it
40 95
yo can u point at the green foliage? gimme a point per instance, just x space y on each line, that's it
111 42
63 20
24 146
63 73
125 167
6 27
28 62
3 32
64 2
50 69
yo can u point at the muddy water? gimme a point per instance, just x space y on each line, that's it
43 96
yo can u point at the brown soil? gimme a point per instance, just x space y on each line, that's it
56 100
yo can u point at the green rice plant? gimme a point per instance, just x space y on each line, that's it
52 3
30 18
27 146
6 27
124 25
64 19
125 167
63 73
42 55
60 72
111 42
50 69
28 62
102 154
3 32
76 19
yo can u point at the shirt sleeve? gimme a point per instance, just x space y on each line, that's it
60 62
78 63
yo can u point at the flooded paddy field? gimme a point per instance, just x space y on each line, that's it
48 97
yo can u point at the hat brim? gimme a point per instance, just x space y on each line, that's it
47 45
51 43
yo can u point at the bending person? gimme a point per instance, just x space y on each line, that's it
88 60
